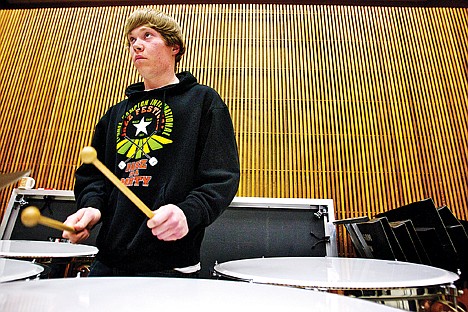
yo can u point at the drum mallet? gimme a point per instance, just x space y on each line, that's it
89 156
31 216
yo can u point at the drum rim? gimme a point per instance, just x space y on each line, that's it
206 289
34 270
447 279
80 250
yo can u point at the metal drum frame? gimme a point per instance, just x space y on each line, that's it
402 285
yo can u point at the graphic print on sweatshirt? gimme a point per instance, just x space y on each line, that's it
144 129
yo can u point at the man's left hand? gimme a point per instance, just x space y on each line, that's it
169 223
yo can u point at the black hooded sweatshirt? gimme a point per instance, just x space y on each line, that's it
172 145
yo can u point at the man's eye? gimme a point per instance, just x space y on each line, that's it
131 39
147 35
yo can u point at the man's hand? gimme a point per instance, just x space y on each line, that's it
83 221
169 223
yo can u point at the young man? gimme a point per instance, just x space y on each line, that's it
172 143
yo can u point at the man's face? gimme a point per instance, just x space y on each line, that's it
150 53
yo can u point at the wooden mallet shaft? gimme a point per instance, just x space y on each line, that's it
31 216
89 156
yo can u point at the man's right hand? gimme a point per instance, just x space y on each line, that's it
83 221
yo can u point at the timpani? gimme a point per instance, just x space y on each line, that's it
59 258
403 285
170 294
12 270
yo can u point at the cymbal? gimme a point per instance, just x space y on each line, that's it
9 178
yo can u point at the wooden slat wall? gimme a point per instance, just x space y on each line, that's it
364 105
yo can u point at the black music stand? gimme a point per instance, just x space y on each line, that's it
431 231
410 244
381 239
459 237
358 241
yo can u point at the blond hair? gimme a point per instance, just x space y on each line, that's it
162 23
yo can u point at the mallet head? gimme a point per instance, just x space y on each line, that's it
30 216
88 155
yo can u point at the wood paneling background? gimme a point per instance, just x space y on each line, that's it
364 105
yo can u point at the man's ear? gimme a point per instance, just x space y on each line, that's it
175 49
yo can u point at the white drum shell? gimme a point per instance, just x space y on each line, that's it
335 273
43 249
169 294
12 270
60 259
403 285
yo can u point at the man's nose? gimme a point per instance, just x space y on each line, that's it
137 45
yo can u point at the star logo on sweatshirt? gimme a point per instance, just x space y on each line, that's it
144 128
141 126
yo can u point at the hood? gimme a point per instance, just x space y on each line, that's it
186 81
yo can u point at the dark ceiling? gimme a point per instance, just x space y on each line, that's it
25 4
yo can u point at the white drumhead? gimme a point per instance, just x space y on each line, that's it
335 273
170 294
12 270
37 249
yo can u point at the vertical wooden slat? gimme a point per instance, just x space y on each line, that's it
364 105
